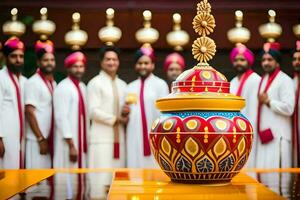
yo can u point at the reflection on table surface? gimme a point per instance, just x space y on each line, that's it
135 184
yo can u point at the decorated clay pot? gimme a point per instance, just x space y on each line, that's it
201 136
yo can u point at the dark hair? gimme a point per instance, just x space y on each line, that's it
40 53
108 48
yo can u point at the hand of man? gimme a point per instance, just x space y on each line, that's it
43 147
125 110
263 98
73 154
122 120
2 148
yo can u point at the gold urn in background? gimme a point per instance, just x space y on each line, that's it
271 30
238 34
110 34
147 35
177 38
14 27
76 38
201 136
44 27
296 30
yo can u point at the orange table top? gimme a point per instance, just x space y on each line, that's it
135 184
16 181
154 184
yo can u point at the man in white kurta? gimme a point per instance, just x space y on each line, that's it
39 109
106 97
277 99
245 84
146 90
70 129
40 116
12 106
296 115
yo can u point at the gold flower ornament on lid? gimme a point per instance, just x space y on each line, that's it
203 47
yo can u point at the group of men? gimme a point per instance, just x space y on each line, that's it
272 106
68 125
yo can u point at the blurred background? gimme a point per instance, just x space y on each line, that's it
128 17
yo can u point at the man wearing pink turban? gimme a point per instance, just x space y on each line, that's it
39 108
144 92
245 84
12 141
71 123
173 66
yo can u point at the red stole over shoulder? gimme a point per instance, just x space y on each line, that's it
50 86
147 151
269 82
295 136
243 80
82 140
21 117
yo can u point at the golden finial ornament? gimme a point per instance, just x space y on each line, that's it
177 38
296 30
204 48
110 34
201 102
238 34
14 27
271 30
44 27
76 38
147 35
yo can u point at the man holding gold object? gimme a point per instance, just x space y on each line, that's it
106 97
144 91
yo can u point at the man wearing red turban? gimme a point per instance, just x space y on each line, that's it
39 110
143 93
245 84
71 124
296 118
173 66
276 98
12 141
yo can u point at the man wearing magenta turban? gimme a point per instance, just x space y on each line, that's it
245 84
12 137
71 127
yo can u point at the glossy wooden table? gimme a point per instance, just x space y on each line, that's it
154 184
136 184
16 181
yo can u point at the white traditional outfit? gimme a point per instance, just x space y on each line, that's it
106 138
296 117
39 93
274 127
246 86
71 122
296 125
142 115
12 113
